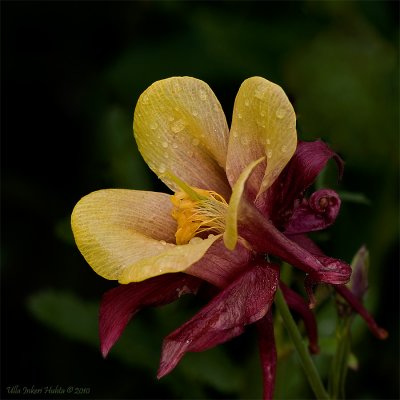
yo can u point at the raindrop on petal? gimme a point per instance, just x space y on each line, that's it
280 113
178 126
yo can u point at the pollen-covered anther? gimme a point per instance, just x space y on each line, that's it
205 213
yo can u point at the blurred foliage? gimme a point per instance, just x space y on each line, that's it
71 75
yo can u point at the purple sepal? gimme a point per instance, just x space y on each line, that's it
266 238
246 300
266 344
120 304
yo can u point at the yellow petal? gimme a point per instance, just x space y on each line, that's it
231 231
174 259
114 229
263 124
180 127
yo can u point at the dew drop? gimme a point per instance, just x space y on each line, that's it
258 93
202 95
195 142
284 149
244 140
163 242
247 102
162 168
164 144
240 116
170 118
235 134
174 145
177 87
178 126
268 141
262 113
195 240
195 113
145 99
280 113
269 153
153 125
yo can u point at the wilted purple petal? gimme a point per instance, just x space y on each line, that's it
244 301
266 343
297 304
220 266
319 212
266 238
300 173
119 305
360 309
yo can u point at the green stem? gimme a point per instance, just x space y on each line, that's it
305 358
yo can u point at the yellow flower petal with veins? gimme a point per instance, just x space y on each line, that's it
180 127
263 125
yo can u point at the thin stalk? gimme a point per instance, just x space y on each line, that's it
305 358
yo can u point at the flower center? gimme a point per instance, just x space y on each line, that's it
198 211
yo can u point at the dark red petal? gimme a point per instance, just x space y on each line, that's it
264 237
319 212
306 243
266 343
118 305
360 309
220 266
298 304
300 173
244 301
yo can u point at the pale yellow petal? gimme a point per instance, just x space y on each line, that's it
263 124
174 259
115 228
231 230
180 127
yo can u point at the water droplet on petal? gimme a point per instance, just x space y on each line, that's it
240 116
235 134
262 113
244 140
170 118
178 126
259 92
202 94
247 102
177 87
164 144
195 240
162 168
268 141
195 113
174 145
280 113
163 242
145 99
284 149
153 125
195 142
269 153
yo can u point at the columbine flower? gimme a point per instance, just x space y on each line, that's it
239 196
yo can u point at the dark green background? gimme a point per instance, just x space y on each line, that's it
71 75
